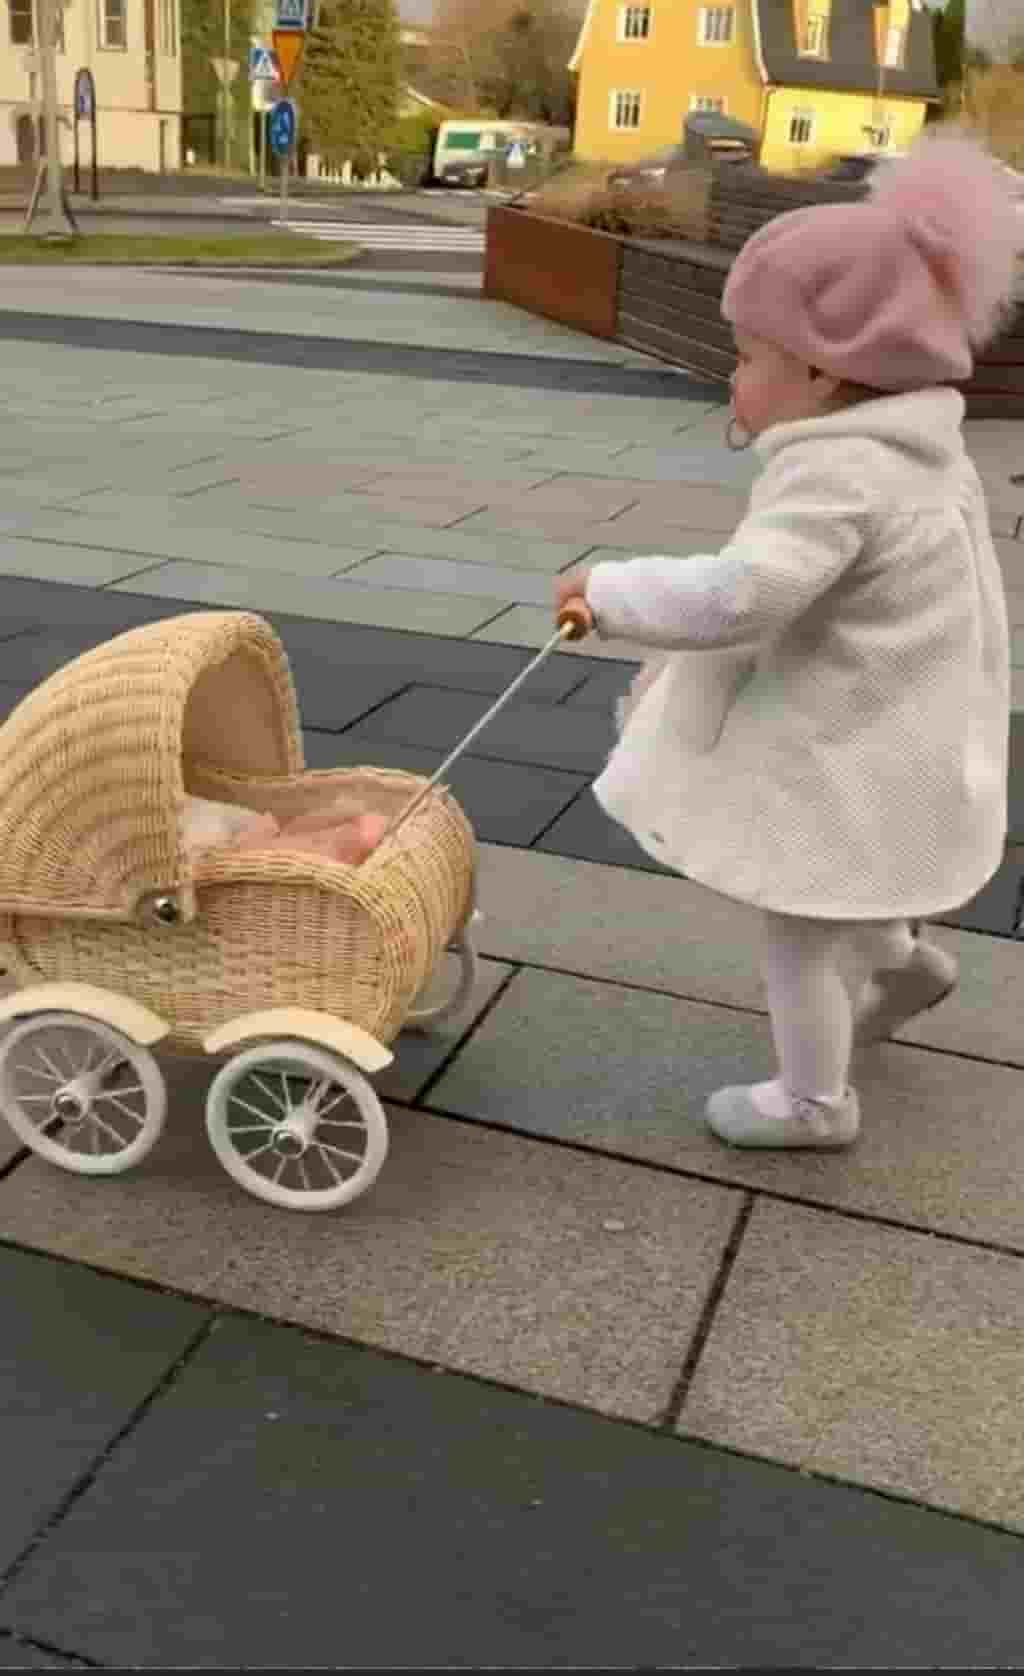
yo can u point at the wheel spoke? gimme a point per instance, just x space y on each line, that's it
339 1152
269 1092
265 1118
279 1172
328 1162
250 1129
303 1173
257 1152
55 1070
21 1098
48 1076
343 1094
108 1129
136 1117
133 1088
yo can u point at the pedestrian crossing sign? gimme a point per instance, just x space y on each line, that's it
262 64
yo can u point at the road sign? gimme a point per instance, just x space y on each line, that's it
85 93
262 64
291 14
516 158
289 46
281 127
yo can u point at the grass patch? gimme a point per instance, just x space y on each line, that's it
241 250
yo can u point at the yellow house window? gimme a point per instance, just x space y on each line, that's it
815 36
22 24
801 127
634 23
113 28
624 109
715 25
895 48
709 102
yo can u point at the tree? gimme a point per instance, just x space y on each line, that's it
508 57
202 40
948 34
349 83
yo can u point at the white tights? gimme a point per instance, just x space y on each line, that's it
814 970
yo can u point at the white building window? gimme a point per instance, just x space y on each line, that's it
895 48
815 41
801 127
113 26
634 23
715 25
708 102
168 29
625 109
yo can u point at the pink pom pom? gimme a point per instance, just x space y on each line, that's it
962 217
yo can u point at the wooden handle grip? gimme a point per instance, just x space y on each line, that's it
577 618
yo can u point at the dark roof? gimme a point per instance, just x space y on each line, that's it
851 65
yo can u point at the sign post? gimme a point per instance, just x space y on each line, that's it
282 128
85 107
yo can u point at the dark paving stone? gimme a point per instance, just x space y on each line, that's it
506 802
31 658
994 909
585 833
9 697
1016 779
603 689
466 366
49 605
427 659
289 1501
21 1655
544 735
78 1352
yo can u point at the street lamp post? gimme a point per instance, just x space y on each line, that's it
226 84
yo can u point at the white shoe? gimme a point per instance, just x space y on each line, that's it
893 997
734 1116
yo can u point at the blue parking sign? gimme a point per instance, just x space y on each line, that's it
281 127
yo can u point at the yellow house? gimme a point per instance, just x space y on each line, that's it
813 77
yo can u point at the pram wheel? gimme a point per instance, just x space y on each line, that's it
80 1094
296 1126
425 1018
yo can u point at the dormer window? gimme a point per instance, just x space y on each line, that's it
815 36
895 48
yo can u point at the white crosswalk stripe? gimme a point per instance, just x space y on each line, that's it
392 236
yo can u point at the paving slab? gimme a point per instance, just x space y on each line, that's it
523 1532
505 802
338 600
50 561
443 576
672 935
628 1072
192 542
543 735
874 1353
585 833
16 1654
479 1250
67 1387
524 625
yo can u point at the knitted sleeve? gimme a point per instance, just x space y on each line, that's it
807 522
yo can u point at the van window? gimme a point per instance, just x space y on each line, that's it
462 139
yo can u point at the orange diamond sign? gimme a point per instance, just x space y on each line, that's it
288 45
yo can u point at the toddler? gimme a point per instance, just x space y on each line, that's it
826 735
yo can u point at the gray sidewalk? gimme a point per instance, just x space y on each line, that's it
755 1382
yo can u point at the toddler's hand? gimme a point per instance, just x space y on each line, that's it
572 586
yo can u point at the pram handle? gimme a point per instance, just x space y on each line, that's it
576 616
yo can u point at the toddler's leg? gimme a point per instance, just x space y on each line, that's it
810 1007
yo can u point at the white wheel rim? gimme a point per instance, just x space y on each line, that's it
296 1126
81 1094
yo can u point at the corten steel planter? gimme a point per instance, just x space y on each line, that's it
554 268
663 296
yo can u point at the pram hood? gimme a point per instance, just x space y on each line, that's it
94 762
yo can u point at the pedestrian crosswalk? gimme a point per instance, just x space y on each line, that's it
411 235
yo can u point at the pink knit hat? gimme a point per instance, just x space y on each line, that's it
894 291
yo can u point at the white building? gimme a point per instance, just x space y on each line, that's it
132 47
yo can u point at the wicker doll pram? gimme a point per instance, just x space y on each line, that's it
302 969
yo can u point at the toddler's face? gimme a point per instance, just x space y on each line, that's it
772 387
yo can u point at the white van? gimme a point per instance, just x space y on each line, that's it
466 148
